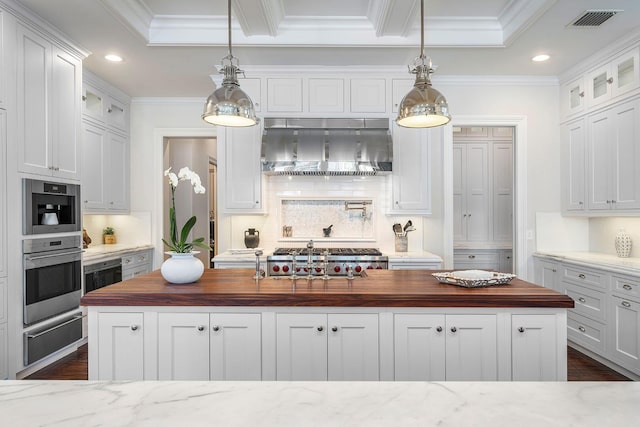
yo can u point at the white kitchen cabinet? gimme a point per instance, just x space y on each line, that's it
183 346
471 192
624 331
502 188
104 107
546 273
48 87
252 87
471 347
574 172
399 88
419 347
368 95
411 176
614 178
615 78
284 95
3 300
137 263
120 351
236 346
241 169
3 71
534 347
484 259
3 194
586 332
105 178
337 347
572 97
326 95
4 365
505 263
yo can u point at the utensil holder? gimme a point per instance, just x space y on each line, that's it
402 243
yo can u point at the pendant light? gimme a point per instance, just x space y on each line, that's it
423 106
229 105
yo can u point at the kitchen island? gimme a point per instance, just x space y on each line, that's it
387 325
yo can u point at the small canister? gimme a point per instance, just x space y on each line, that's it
402 243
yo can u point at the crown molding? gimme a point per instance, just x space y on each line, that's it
518 15
134 14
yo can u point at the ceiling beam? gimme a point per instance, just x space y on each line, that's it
392 17
134 14
258 17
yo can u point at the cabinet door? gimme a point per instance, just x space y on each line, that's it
546 273
573 153
419 347
572 97
599 85
625 72
599 172
183 346
411 170
3 194
94 148
471 348
117 115
624 330
33 100
477 192
625 154
534 348
236 347
252 87
502 191
326 95
399 88
301 347
368 95
353 347
243 176
65 114
459 197
284 95
93 102
120 346
116 173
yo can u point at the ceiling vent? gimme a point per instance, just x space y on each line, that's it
593 18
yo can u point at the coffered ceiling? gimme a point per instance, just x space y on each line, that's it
171 47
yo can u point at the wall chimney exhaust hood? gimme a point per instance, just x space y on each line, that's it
305 146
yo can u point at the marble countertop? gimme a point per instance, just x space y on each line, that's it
97 253
161 403
595 259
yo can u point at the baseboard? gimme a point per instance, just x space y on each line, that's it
608 363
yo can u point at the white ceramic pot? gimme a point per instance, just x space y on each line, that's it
182 268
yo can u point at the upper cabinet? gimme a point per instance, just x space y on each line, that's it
572 97
48 86
103 107
574 172
252 87
284 95
326 96
613 79
368 95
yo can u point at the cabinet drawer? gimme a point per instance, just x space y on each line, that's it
130 273
586 332
584 276
476 257
136 258
627 286
591 304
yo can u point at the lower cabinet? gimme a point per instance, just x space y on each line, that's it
335 347
546 273
327 343
137 263
624 330
484 259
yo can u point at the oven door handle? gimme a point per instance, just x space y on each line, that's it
31 257
73 319
37 261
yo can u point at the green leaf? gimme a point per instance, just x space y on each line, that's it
170 246
172 223
187 229
201 245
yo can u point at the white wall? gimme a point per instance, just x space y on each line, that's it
602 232
538 102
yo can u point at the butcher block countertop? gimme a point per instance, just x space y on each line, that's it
380 288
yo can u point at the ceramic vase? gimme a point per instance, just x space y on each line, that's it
182 268
623 243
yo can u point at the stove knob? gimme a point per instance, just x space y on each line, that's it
306 269
336 269
276 268
379 267
285 268
297 269
370 267
318 269
358 269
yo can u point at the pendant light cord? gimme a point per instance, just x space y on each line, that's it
229 26
422 29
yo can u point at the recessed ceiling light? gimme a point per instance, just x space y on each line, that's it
113 58
540 58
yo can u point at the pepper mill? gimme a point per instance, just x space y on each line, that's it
259 274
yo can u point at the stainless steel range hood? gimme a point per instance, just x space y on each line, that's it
304 146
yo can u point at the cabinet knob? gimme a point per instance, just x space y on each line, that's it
84 98
472 256
554 270
334 329
320 328
582 276
86 201
216 328
464 216
439 329
454 329
134 327
581 328
610 80
627 287
109 110
521 329
257 202
580 203
625 304
200 328
581 94
582 300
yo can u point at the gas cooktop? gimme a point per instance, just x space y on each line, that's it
332 251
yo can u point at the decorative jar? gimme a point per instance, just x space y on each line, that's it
623 243
182 268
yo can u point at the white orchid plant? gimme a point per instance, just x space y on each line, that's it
181 245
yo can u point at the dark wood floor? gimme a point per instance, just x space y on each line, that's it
580 368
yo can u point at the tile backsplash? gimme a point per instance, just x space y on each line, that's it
349 219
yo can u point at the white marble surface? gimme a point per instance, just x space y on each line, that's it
413 256
97 253
82 403
600 260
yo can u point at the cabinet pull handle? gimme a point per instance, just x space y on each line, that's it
334 329
610 80
627 287
464 216
608 201
582 300
472 256
581 94
581 328
439 329
582 276
320 328
84 98
216 328
200 328
613 201
581 203
554 270
134 327
521 329
625 304
454 329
